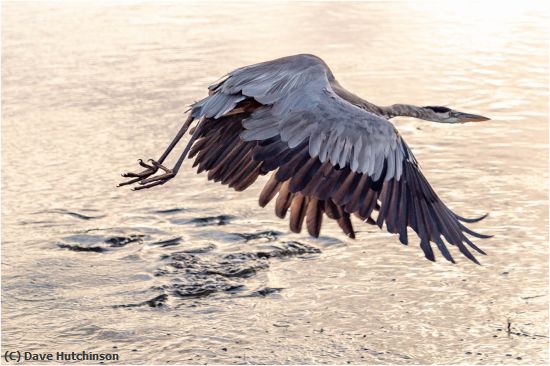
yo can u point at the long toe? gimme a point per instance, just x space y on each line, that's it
131 181
131 175
163 177
153 184
145 165
158 165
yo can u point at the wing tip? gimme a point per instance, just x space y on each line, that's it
472 220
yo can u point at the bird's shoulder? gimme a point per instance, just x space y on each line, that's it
295 71
295 63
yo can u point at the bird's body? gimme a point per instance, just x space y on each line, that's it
328 151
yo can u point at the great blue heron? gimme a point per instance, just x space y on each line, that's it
330 152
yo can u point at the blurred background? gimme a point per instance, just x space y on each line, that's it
193 272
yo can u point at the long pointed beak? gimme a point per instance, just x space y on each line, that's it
467 117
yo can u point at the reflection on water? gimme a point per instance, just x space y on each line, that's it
194 272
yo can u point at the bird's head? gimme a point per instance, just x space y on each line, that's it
447 115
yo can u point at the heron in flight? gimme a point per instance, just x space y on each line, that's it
329 152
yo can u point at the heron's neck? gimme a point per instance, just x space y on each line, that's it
398 110
405 110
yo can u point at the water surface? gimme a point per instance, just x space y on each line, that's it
194 272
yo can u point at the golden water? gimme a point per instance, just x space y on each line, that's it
88 89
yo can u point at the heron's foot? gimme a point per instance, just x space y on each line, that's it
149 170
157 180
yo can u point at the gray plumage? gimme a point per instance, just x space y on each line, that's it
300 104
329 151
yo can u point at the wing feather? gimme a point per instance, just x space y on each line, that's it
314 217
326 155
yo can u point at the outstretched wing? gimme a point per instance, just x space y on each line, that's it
327 155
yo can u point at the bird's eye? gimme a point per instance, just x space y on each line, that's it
438 109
